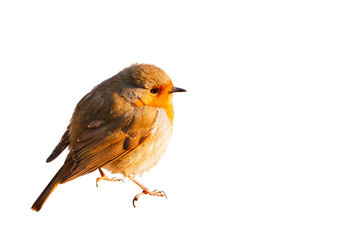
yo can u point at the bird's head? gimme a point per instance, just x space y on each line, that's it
150 86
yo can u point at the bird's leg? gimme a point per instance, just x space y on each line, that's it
104 177
146 191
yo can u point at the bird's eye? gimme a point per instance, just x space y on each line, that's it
154 91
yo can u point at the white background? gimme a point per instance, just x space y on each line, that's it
266 140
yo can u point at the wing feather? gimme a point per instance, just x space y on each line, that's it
64 142
99 145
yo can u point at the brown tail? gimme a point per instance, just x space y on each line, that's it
51 186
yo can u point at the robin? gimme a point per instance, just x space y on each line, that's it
123 125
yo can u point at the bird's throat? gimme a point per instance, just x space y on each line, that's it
162 101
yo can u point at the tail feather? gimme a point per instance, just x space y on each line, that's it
51 186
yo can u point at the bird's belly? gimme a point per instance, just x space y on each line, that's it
147 155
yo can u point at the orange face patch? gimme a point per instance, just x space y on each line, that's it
162 99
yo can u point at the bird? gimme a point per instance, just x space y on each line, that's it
123 125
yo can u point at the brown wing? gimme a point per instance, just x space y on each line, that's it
103 142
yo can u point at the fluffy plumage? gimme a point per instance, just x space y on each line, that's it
122 125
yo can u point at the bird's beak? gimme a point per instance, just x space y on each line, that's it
177 89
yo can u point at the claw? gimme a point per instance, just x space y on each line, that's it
136 198
159 193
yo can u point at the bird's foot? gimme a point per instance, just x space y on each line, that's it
114 179
151 193
146 191
106 178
